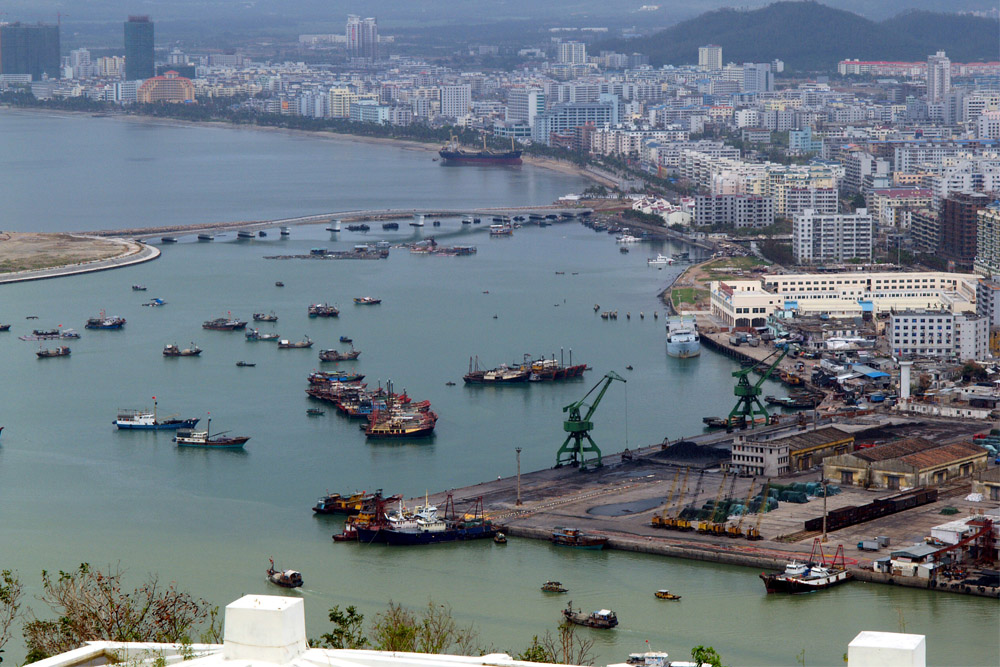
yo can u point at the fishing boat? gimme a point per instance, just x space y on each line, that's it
502 374
574 537
351 504
659 260
813 575
683 339
144 420
664 594
192 438
336 377
205 237
390 225
346 339
244 234
366 300
168 239
172 350
499 538
315 412
285 344
265 317
4 327
279 284
549 369
322 310
336 355
553 587
284 578
102 321
424 526
602 619
400 426
224 324
245 364
138 288
155 303
61 351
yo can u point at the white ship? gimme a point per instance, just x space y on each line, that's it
627 238
659 260
683 340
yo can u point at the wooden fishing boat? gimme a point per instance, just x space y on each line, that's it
664 594
284 578
602 619
192 438
336 355
553 587
500 538
285 344
574 537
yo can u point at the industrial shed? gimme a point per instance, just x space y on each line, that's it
906 463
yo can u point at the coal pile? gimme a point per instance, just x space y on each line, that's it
685 450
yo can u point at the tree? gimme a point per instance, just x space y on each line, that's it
91 605
348 629
11 591
706 655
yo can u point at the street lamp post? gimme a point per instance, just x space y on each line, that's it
824 482
518 450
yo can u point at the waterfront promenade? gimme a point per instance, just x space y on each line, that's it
132 253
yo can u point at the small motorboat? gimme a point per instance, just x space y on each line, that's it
155 303
4 327
664 594
138 288
500 538
245 364
205 237
367 300
553 587
346 339
449 383
168 239
659 260
31 317
279 284
315 412
284 578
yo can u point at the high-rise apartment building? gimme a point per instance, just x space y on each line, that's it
362 37
959 225
525 104
30 49
834 237
988 241
938 77
710 57
139 48
757 78
456 100
573 53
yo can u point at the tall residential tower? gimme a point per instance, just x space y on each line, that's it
362 37
29 49
938 77
138 48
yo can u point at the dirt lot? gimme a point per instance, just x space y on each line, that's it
31 251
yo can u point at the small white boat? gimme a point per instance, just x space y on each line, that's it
627 238
659 260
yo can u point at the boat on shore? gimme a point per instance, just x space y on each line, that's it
574 537
285 344
366 301
204 439
265 317
284 578
336 355
602 619
323 310
144 420
171 350
103 321
812 575
61 351
224 324
683 339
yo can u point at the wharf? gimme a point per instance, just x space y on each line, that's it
619 500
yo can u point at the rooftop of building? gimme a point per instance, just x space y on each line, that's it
894 450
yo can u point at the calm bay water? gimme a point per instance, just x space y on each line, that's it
73 489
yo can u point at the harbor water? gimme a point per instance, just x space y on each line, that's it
73 489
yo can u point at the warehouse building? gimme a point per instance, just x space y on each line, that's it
906 463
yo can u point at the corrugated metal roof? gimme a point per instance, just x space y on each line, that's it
943 455
894 450
815 438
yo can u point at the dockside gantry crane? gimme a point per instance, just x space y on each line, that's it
748 404
573 450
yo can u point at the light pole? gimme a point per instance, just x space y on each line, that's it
518 450
824 482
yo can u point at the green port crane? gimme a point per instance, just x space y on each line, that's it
573 450
748 405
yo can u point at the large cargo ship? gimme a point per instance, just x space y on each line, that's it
455 154
683 340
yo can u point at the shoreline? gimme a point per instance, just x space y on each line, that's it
135 253
549 163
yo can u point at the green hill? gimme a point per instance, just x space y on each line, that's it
811 36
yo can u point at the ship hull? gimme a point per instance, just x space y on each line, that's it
164 426
776 583
684 350
407 538
454 157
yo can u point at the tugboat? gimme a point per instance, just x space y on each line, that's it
173 351
284 578
602 619
192 438
61 351
265 317
574 537
285 344
224 324
323 310
148 421
366 300
553 587
102 321
809 576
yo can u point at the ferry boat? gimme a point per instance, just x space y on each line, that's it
336 355
366 301
574 537
224 324
61 351
171 350
265 317
659 260
452 153
425 526
602 619
323 310
809 576
284 578
683 340
192 438
144 420
102 321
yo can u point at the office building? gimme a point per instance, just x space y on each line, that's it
362 37
710 57
757 78
138 48
456 100
170 87
959 225
834 237
572 53
938 335
938 77
30 49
